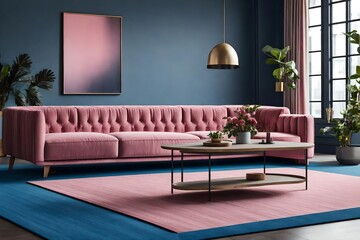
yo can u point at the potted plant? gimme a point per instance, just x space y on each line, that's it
243 126
286 71
216 137
17 80
344 128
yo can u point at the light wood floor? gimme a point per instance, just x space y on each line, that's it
345 230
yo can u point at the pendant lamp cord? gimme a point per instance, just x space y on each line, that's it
224 20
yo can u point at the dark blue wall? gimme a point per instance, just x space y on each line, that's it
165 48
270 31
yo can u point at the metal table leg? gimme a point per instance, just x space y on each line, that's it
209 177
172 171
264 158
182 167
306 169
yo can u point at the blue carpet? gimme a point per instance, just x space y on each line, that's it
55 216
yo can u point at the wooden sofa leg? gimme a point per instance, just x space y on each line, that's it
46 171
11 163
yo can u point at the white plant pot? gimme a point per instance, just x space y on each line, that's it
348 155
243 138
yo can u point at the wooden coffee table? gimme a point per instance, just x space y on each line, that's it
237 182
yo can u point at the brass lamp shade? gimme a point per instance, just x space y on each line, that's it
223 56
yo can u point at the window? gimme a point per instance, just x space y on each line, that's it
315 58
332 49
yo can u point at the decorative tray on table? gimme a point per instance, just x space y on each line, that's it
223 143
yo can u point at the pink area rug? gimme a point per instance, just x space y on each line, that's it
147 197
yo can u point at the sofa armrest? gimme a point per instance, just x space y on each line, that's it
301 125
24 133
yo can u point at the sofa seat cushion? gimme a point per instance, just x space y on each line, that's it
276 136
80 145
147 144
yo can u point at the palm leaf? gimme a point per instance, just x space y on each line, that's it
33 96
1 66
16 79
20 68
19 98
4 71
44 79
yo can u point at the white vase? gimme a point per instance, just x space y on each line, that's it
243 138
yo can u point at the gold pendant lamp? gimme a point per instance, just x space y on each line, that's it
223 55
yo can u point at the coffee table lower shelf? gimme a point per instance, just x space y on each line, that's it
239 182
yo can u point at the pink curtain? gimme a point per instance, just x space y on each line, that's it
296 36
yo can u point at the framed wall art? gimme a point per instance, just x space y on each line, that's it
91 54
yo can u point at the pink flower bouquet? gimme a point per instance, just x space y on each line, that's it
244 122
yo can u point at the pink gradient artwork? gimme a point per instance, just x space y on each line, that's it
92 54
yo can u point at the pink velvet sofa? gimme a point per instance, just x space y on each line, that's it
60 135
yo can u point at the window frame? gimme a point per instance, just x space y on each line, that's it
315 51
327 65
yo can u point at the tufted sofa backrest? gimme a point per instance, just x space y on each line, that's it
184 118
203 118
60 119
107 119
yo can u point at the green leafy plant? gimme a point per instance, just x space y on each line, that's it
350 122
16 79
286 71
216 134
355 39
244 121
